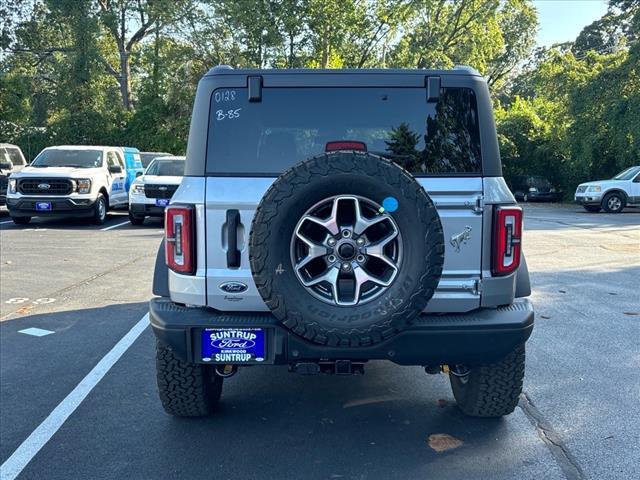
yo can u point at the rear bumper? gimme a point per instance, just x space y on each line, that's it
60 206
485 335
146 209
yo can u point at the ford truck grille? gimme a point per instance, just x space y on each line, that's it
45 186
160 191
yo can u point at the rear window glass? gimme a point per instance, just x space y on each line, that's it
292 124
166 168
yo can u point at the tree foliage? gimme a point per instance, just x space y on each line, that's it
125 71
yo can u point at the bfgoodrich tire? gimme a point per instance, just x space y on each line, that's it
186 389
492 389
375 309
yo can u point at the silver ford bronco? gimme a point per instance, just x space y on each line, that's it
332 217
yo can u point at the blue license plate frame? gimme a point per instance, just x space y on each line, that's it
233 345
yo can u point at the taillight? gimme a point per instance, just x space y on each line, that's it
345 145
507 240
180 239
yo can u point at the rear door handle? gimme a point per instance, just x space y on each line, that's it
233 254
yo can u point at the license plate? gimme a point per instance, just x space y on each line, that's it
162 202
43 206
233 345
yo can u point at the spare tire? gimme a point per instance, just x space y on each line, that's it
346 249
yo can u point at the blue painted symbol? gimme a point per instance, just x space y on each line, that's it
390 204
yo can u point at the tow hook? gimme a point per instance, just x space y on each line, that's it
226 371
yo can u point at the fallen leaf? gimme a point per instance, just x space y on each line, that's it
631 313
441 442
612 293
562 291
546 317
24 310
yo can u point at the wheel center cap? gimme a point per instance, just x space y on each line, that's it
347 251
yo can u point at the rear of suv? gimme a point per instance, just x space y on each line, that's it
329 218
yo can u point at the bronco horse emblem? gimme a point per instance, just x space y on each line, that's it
460 238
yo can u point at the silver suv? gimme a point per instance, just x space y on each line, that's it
328 218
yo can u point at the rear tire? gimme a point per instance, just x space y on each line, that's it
99 210
21 220
491 390
135 219
186 389
614 202
592 208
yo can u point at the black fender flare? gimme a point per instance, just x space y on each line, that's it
523 284
161 274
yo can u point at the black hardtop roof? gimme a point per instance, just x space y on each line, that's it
461 70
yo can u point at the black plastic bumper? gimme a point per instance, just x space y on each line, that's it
146 209
588 200
484 335
26 207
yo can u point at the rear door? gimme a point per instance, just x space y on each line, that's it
251 142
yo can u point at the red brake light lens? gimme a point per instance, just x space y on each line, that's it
507 240
345 145
180 239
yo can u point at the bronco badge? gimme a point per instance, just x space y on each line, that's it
461 238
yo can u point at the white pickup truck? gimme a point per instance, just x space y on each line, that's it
78 181
612 195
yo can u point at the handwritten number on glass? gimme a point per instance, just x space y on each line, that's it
230 114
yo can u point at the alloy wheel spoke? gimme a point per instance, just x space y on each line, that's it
331 223
377 249
315 250
362 223
330 276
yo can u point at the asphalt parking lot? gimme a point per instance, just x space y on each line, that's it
89 285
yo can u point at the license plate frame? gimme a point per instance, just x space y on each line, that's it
43 206
162 202
234 345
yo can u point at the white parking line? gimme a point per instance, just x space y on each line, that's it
28 449
114 226
8 221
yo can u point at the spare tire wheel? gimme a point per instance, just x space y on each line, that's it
346 249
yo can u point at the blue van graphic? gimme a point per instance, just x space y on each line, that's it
133 165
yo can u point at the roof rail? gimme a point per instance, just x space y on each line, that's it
466 68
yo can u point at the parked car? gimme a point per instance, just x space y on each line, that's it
69 180
147 157
133 165
529 188
296 238
11 161
151 192
611 195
